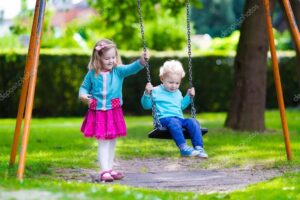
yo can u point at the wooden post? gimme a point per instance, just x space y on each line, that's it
276 74
30 76
292 22
26 77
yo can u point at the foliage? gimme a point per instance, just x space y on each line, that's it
61 73
165 25
23 24
166 33
10 41
227 43
163 22
65 39
21 20
283 41
216 16
220 18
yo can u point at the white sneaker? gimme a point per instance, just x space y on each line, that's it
202 153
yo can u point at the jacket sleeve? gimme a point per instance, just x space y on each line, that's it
127 70
146 101
185 102
86 85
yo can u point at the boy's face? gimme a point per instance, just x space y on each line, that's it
171 82
108 59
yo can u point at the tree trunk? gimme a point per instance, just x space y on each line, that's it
247 103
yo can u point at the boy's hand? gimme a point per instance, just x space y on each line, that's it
85 98
148 88
144 57
191 92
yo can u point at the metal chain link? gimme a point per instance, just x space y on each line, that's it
193 109
156 122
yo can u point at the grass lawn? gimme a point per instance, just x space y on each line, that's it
57 143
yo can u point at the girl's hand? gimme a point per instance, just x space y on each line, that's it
144 57
191 92
85 98
148 88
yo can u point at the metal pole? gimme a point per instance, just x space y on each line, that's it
276 74
292 22
33 56
28 66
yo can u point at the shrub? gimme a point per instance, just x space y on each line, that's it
61 73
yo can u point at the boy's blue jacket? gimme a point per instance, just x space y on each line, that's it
168 104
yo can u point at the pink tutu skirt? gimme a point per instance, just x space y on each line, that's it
108 124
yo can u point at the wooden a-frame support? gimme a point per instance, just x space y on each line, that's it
276 73
28 88
292 23
30 75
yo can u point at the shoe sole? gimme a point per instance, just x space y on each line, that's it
202 157
189 155
107 181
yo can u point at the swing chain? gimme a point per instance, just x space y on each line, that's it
193 109
156 122
143 40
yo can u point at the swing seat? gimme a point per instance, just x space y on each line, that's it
163 133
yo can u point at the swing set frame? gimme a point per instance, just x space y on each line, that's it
31 68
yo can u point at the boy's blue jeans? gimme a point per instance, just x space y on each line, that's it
175 125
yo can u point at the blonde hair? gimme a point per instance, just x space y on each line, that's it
101 47
171 66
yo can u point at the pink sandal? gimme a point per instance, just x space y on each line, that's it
116 175
105 176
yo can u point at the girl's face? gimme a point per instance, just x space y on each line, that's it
171 82
108 59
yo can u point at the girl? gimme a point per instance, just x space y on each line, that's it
102 91
170 103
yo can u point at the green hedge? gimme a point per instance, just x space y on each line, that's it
61 73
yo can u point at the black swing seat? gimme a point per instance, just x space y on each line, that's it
163 133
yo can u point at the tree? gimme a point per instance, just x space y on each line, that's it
247 103
119 19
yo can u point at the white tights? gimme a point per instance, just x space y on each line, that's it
106 153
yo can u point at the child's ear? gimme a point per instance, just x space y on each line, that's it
161 78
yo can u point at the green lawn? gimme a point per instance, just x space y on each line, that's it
57 143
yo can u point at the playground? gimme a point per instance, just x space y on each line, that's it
241 164
250 140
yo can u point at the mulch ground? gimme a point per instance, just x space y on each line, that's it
182 174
